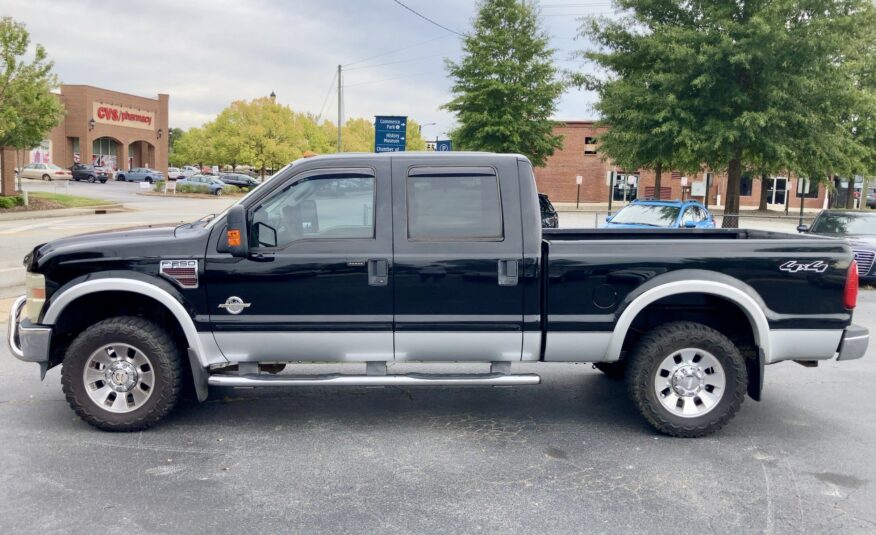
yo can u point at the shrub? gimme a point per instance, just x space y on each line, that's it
192 188
158 186
11 202
230 190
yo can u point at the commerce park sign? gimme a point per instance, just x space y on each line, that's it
122 116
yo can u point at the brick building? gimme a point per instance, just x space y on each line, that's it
103 127
579 157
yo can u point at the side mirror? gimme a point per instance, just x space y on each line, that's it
607 218
803 228
237 235
690 224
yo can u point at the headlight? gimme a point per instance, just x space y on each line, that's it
35 284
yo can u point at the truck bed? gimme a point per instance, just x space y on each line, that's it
667 234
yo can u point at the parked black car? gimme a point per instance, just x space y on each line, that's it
239 180
549 217
82 171
858 229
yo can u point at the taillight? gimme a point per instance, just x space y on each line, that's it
850 295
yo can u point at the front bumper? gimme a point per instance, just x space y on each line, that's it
854 343
28 342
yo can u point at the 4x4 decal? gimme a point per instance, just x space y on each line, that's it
793 266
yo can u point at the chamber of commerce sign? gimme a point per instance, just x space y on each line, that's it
123 116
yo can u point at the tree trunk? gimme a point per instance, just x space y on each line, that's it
850 193
765 183
658 170
734 180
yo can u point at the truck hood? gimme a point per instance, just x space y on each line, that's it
138 244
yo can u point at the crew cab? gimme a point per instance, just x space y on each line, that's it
371 259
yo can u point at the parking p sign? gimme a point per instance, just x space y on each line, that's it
444 145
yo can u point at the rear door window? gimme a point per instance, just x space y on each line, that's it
451 205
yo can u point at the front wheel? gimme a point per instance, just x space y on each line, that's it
122 374
47 177
687 379
91 180
218 192
121 178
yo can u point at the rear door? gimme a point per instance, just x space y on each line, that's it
457 259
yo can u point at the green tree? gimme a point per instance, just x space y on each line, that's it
506 86
28 109
749 83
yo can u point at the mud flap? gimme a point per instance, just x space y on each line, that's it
755 375
199 376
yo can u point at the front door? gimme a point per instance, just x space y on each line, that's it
778 190
317 284
458 255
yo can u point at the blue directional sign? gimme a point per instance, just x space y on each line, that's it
389 133
444 145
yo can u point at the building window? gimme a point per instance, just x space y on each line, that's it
745 186
813 190
75 145
589 145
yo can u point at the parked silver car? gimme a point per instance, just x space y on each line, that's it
140 174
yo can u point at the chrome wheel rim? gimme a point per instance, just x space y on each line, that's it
119 378
690 382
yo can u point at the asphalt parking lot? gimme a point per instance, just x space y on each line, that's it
568 456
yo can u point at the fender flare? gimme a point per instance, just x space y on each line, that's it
752 309
206 355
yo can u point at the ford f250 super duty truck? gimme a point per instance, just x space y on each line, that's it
406 257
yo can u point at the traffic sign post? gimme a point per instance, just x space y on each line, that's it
802 191
389 133
578 180
445 145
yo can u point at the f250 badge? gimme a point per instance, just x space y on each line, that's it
793 266
234 305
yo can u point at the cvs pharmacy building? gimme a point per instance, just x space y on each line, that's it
107 128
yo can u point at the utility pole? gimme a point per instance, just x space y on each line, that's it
340 107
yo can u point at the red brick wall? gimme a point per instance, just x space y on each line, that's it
557 177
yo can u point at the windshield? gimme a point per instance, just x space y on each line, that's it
643 214
842 224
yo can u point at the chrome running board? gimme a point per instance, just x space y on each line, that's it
412 379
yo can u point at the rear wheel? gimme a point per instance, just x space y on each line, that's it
122 374
687 379
91 180
46 177
121 177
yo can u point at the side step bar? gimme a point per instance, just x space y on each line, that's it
412 379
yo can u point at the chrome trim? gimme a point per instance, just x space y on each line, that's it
803 344
12 327
577 346
855 342
752 310
59 302
413 379
462 346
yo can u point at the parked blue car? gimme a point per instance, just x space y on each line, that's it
140 174
662 214
208 183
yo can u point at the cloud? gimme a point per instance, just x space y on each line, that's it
207 53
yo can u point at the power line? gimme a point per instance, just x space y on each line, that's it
393 78
327 95
397 50
424 17
395 62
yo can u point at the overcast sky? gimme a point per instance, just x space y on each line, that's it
206 53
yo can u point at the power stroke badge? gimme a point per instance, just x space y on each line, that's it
234 305
794 266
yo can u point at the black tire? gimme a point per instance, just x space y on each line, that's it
613 370
149 179
91 180
121 178
47 177
644 366
103 181
164 358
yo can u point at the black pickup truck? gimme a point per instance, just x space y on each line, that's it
407 257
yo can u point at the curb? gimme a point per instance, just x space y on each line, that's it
62 212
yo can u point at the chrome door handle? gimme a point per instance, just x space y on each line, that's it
508 272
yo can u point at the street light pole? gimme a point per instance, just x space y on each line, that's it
340 107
